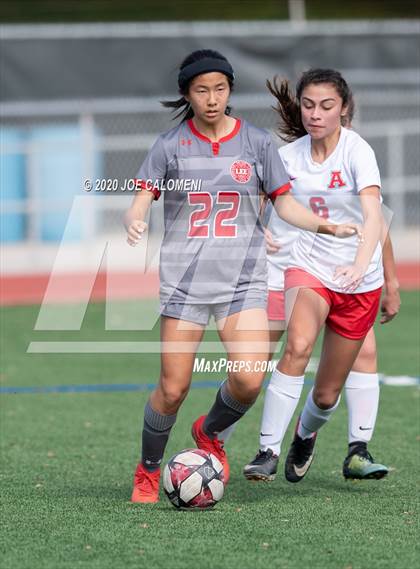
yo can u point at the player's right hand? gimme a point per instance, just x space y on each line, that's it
135 231
270 245
349 277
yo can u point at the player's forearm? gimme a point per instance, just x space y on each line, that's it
388 260
263 206
296 214
139 208
371 236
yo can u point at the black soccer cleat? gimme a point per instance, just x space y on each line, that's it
299 458
263 467
360 465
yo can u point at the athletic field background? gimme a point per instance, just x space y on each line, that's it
70 423
68 456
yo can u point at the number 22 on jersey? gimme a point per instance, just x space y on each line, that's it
222 226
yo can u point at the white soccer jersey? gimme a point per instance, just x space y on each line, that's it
285 235
331 190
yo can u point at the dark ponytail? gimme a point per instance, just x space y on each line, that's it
288 107
186 111
288 104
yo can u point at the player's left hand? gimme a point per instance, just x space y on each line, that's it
344 230
349 277
390 304
271 245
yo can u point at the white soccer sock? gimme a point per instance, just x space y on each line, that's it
281 399
225 435
312 417
362 396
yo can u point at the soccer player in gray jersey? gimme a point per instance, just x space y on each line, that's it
211 169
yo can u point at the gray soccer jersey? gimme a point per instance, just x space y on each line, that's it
213 246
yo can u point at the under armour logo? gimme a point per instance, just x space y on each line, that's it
185 141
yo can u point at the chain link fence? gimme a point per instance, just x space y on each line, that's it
49 148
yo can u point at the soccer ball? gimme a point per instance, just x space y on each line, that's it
193 479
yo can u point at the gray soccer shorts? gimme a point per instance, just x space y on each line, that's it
200 313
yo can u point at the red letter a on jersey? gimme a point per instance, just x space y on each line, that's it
336 179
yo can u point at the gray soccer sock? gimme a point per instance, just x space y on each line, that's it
156 429
226 410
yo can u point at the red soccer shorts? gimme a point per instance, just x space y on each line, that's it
350 315
275 305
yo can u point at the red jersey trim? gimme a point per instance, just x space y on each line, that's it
233 133
198 134
282 190
143 186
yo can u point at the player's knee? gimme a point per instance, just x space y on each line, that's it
172 395
298 348
325 399
245 388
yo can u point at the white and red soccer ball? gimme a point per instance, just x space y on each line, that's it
194 479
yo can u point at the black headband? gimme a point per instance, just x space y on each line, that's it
206 65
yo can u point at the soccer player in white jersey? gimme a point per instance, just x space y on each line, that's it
334 171
362 384
212 258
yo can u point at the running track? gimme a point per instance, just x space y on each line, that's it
30 289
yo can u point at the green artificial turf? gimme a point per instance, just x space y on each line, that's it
68 459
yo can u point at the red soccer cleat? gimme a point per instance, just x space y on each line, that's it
146 485
210 445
